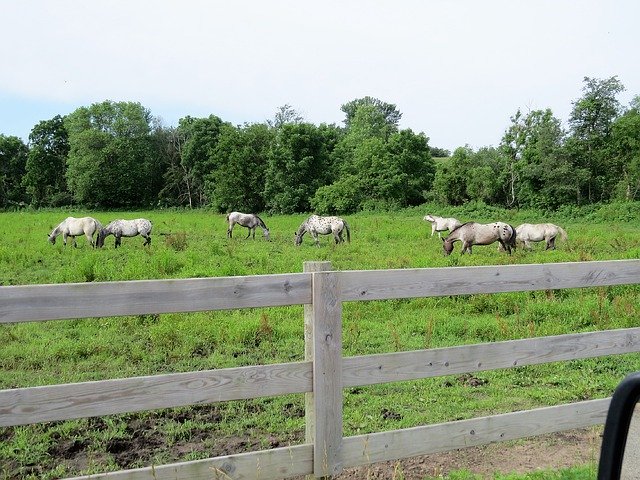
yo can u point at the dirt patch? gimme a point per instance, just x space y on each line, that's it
547 452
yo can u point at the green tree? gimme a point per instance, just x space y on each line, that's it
111 157
199 137
590 125
241 156
390 114
624 150
47 163
13 160
297 166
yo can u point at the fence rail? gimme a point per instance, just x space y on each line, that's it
324 373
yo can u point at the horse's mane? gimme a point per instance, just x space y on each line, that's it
262 224
459 227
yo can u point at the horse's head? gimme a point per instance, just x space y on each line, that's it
447 246
428 218
52 239
297 239
267 234
100 240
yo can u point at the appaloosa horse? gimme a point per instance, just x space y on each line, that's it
536 232
72 227
249 220
473 233
126 228
315 225
441 224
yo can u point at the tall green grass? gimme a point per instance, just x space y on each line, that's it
194 244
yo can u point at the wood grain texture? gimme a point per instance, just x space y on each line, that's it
433 282
413 365
80 300
263 465
327 374
22 406
411 442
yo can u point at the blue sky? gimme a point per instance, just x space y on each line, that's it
457 70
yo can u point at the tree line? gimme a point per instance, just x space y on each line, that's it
118 155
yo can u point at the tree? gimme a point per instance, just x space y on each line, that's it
241 156
200 138
47 162
590 125
624 151
13 160
390 114
297 166
111 157
285 114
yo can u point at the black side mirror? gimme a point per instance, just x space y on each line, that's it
622 433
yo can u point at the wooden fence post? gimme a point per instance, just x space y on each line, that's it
323 346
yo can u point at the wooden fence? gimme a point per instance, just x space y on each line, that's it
324 373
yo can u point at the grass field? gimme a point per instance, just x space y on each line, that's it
194 244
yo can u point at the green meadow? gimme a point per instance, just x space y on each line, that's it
190 244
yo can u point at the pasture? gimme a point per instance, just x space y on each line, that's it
194 244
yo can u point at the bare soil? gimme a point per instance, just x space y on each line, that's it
547 452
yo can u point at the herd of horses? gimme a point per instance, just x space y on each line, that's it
89 226
468 234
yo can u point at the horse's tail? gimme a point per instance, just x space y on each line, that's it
98 225
563 234
228 217
346 226
512 240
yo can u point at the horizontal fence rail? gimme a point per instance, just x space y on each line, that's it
142 297
22 406
324 373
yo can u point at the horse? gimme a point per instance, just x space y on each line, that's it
249 220
528 232
472 233
440 224
72 227
316 224
126 228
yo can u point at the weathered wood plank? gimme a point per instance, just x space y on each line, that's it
22 406
413 365
430 282
411 442
327 374
378 447
309 399
273 464
79 300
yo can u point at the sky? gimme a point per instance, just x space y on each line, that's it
457 70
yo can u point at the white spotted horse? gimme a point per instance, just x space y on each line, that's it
316 225
73 227
126 228
249 220
472 233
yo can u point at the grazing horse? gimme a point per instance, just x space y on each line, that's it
528 232
72 227
316 224
249 220
126 228
440 224
473 233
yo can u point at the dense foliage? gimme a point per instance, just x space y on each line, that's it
116 154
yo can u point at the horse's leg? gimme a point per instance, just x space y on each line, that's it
433 230
64 239
314 234
147 240
89 239
118 240
551 243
